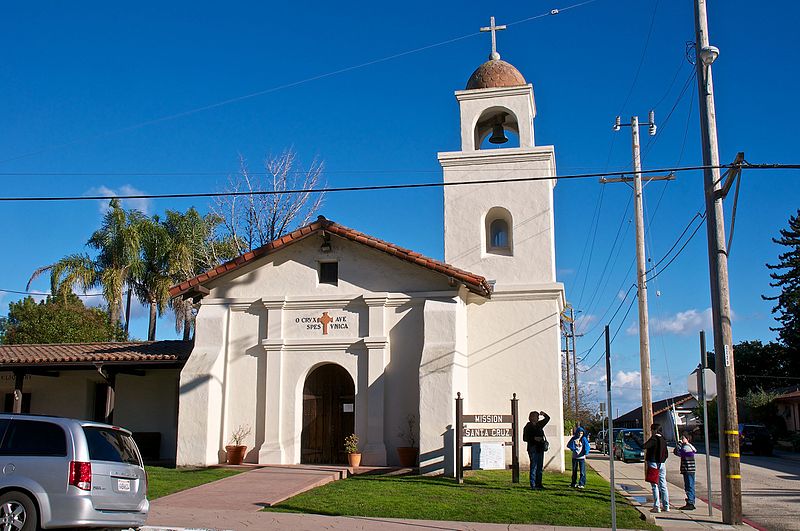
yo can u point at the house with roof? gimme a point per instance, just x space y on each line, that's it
675 414
131 384
788 407
327 331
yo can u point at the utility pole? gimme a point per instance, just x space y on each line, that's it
566 365
641 261
574 360
718 271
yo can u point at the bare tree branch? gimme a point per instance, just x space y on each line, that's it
252 220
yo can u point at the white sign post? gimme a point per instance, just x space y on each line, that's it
704 391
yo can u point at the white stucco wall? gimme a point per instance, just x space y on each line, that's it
200 415
529 203
253 366
514 342
442 376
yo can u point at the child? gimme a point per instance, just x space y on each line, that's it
579 444
686 452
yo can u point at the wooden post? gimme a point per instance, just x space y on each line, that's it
19 378
730 472
514 439
459 429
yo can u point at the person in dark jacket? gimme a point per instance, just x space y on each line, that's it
655 456
533 434
686 451
579 444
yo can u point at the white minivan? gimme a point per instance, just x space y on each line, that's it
59 472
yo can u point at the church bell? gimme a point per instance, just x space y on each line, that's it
498 134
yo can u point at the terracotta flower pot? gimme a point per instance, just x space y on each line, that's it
354 460
408 456
234 455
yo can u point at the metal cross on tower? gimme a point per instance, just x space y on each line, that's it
494 29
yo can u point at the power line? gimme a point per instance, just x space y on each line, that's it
188 195
677 241
641 60
596 223
16 292
602 356
672 83
608 259
588 351
679 251
277 88
664 123
330 172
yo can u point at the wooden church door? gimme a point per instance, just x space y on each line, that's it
328 415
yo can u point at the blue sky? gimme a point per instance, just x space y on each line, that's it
76 77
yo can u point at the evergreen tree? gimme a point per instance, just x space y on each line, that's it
786 276
60 319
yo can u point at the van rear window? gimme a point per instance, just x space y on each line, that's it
111 445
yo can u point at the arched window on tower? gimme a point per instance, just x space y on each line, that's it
498 231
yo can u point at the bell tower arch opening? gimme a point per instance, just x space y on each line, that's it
496 127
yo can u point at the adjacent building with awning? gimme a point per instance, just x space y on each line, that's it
133 384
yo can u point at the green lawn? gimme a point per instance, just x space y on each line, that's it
163 481
485 496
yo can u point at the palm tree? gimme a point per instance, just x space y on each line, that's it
194 248
151 279
117 243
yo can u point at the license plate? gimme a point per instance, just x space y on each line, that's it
123 485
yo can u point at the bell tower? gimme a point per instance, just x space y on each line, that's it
502 230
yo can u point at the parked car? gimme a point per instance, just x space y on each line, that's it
755 438
629 445
602 441
599 440
60 472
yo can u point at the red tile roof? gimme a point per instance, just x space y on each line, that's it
475 283
77 353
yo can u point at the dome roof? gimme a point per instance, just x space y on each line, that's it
495 73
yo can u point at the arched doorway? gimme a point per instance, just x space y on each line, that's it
328 415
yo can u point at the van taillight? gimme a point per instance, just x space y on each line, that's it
80 475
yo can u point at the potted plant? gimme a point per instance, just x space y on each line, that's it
234 452
351 447
408 454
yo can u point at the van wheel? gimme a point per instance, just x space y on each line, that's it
17 512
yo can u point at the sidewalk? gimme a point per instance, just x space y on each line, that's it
234 504
629 479
239 520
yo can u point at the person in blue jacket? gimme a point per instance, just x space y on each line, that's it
579 444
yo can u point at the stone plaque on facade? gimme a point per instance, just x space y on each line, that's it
323 323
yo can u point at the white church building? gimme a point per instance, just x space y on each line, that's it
328 331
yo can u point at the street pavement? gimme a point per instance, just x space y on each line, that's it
770 487
629 481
